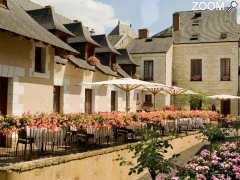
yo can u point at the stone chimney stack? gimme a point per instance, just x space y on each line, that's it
143 33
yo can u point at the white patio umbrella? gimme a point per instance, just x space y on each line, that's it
125 84
175 91
223 97
155 88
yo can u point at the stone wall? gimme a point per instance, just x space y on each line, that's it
162 72
210 53
71 80
27 90
94 165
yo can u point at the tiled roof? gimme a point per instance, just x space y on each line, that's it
105 44
47 18
28 5
16 20
81 63
165 33
81 32
114 39
150 45
60 60
122 73
106 70
207 26
123 28
125 57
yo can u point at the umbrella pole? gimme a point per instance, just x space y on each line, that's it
154 101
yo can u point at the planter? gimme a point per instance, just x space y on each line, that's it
5 140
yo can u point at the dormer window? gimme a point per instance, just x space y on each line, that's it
3 3
223 36
195 22
197 15
148 40
194 37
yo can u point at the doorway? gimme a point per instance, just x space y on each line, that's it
57 99
113 101
88 101
3 95
226 107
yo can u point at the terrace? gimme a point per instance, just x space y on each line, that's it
29 137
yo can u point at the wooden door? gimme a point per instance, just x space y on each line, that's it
3 95
226 107
113 101
88 101
57 99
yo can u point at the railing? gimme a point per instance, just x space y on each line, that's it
33 143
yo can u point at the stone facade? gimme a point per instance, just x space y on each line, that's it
71 80
27 91
211 83
162 73
100 164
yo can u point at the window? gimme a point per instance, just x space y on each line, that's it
40 60
223 36
148 99
194 37
197 15
176 22
195 22
196 70
225 69
3 3
148 70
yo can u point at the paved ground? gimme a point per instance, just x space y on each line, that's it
183 158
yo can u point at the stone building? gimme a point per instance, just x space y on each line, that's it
153 55
26 62
45 60
206 54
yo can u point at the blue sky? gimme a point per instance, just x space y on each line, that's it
156 15
103 15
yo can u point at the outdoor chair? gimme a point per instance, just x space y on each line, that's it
24 139
84 138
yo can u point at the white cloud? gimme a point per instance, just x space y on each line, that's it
92 13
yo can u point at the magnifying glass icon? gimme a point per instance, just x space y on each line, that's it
233 4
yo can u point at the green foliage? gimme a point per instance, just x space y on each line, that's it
149 153
213 133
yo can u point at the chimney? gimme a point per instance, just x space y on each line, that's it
143 33
3 2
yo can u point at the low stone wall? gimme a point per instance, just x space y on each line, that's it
94 165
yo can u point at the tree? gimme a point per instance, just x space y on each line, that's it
149 152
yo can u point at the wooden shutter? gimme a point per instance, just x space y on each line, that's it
225 69
88 101
3 95
196 70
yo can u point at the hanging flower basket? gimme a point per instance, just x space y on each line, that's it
93 60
